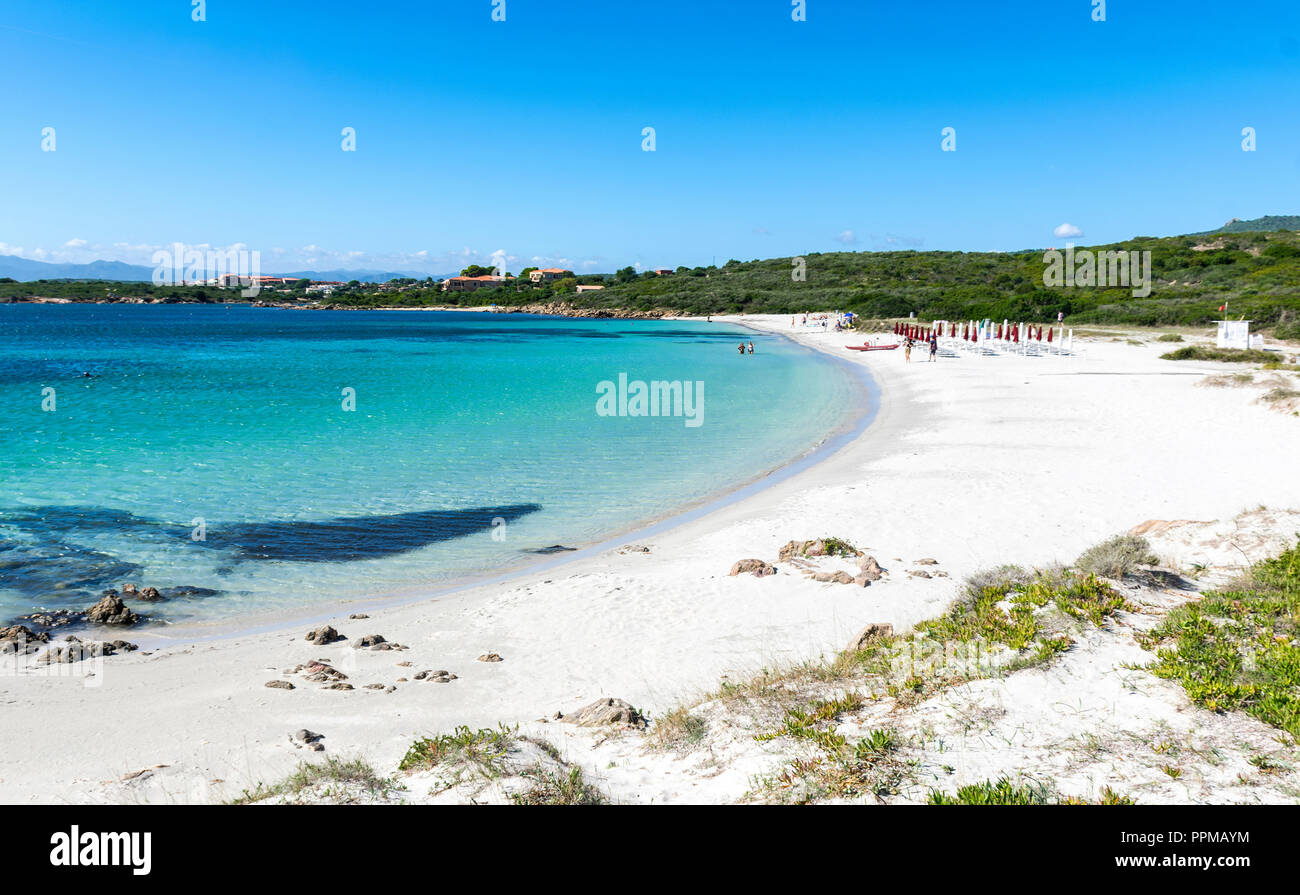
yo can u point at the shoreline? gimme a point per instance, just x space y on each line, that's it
854 425
974 462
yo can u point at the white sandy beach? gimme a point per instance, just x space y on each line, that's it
973 462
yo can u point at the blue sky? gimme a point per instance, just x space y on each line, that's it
773 137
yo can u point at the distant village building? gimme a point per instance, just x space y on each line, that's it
469 284
232 279
546 274
663 271
589 288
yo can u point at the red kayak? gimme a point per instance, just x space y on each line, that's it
871 347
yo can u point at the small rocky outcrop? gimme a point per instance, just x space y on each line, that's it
801 548
149 595
22 632
279 685
869 569
869 635
756 567
307 739
375 642
490 657
110 610
318 672
437 677
840 577
77 650
20 640
606 712
323 635
55 619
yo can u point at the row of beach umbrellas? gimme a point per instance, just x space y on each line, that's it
971 331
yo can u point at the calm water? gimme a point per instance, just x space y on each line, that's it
475 440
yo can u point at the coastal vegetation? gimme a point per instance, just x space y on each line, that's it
1238 648
1224 355
1254 273
333 780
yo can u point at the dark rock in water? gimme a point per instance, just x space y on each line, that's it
150 595
111 611
323 635
52 566
187 590
57 618
129 590
554 548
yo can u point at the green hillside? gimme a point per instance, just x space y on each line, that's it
1256 273
1258 225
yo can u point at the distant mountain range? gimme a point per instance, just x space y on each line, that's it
26 270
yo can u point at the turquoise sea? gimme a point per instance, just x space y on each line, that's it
212 454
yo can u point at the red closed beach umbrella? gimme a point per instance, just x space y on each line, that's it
1049 335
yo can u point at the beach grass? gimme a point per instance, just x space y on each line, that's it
335 780
1226 355
1116 557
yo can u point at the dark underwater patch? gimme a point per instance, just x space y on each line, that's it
58 570
350 538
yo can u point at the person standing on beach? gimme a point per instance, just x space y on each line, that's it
934 348
907 350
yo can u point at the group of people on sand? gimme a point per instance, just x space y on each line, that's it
742 347
934 348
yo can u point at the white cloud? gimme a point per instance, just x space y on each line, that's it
848 237
74 243
1067 230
